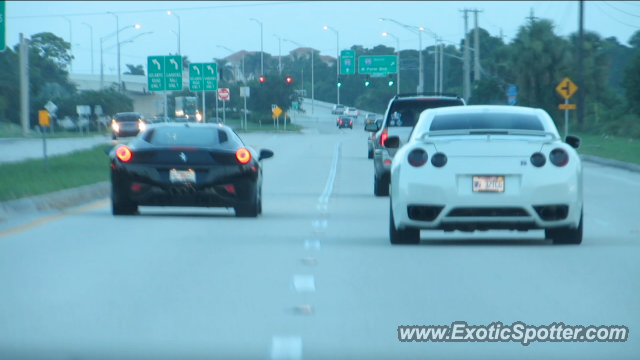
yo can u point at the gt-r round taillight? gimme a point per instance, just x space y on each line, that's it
559 157
439 160
243 155
538 159
417 157
123 153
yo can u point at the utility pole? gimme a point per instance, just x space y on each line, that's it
435 65
467 66
476 48
91 35
24 85
441 63
580 111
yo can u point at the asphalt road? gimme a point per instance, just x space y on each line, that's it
315 277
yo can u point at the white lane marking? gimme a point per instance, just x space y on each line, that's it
304 283
321 207
612 177
320 224
286 348
312 244
602 222
324 198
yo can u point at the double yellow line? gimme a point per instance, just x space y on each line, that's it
49 218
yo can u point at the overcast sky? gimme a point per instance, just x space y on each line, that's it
207 24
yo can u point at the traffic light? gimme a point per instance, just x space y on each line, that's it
391 82
289 79
261 79
339 81
366 80
221 74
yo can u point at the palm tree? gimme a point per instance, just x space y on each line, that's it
225 70
135 70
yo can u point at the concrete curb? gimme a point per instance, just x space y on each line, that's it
58 200
610 162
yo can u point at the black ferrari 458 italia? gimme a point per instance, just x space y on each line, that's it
200 165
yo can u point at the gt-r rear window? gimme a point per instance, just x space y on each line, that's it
405 113
486 121
184 136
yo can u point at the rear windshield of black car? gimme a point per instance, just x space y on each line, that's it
127 118
184 136
405 113
486 121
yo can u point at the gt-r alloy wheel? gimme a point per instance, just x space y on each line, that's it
402 237
566 235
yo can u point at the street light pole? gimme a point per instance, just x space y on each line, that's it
118 42
415 30
312 71
261 48
70 44
279 53
179 32
337 57
91 34
397 58
178 38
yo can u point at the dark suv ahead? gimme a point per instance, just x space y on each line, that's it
402 115
127 124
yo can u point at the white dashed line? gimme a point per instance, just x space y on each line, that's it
304 283
286 348
312 244
320 224
324 198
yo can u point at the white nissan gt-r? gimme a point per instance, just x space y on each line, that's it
484 168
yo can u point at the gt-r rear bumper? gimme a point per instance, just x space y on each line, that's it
449 203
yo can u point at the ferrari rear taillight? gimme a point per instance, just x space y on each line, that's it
559 157
383 136
243 155
123 153
417 157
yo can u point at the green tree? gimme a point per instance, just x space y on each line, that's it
52 47
634 40
631 84
135 70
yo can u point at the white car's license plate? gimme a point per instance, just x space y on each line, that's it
182 176
488 184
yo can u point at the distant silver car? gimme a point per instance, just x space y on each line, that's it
337 110
351 112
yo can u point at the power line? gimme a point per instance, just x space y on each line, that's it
598 7
165 10
622 11
630 3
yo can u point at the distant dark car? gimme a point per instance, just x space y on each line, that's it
344 121
198 165
127 124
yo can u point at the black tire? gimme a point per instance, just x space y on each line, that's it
114 137
370 154
566 235
380 188
402 237
252 209
121 204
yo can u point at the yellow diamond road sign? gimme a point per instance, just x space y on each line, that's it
566 88
276 112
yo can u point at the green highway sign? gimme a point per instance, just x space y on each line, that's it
195 77
347 62
294 105
378 64
3 25
210 76
155 73
173 73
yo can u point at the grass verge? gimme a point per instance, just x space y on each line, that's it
611 147
29 178
265 126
